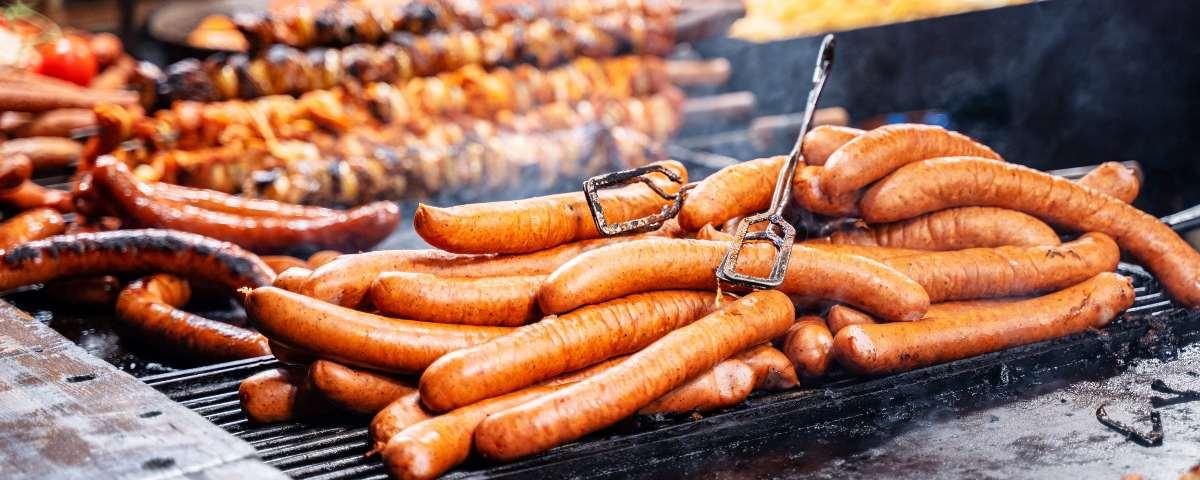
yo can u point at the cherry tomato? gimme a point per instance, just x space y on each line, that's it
69 58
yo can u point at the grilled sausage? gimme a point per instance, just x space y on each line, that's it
150 306
808 194
823 140
725 385
30 195
951 331
881 151
63 123
657 264
394 418
126 251
278 395
604 399
951 182
322 257
357 338
279 263
954 229
292 279
841 316
45 153
508 301
290 356
30 225
539 223
556 345
233 204
354 390
1117 180
808 344
772 369
101 291
14 171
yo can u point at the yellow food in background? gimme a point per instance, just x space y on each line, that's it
774 19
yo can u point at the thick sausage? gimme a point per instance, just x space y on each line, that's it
727 384
952 331
533 224
1117 180
150 307
808 344
292 279
823 140
1009 271
127 251
556 345
354 390
289 355
14 171
772 369
841 316
952 182
357 338
278 395
30 225
954 229
394 418
645 376
279 263
31 195
58 123
322 257
346 279
45 153
658 264
881 151
233 204
508 301
99 291
355 229
808 194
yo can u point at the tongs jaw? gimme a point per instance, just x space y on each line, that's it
593 185
781 241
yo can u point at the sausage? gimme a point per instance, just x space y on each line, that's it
807 192
14 171
1116 180
98 291
872 252
556 345
727 384
357 338
45 153
841 316
959 181
881 151
823 140
808 344
346 280
394 418
292 279
106 47
951 331
30 195
150 307
657 264
954 229
34 97
645 376
290 356
708 232
772 369
127 251
278 395
279 263
1009 271
30 225
355 229
322 257
63 122
233 204
354 390
115 76
509 301
533 224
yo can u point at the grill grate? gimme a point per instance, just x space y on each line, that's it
334 448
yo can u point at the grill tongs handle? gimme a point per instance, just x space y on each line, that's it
593 185
778 232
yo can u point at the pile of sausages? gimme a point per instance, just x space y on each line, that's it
524 329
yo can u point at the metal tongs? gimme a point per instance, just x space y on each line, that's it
778 232
593 185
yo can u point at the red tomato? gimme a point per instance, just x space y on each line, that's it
69 58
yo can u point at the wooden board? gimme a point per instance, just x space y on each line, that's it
66 414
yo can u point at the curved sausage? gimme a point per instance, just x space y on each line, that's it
30 225
354 390
233 204
45 153
355 229
357 338
808 194
556 345
1117 180
645 376
278 395
823 140
30 195
881 151
394 418
841 316
128 251
808 344
772 369
954 229
657 264
58 123
292 279
279 263
150 306
533 224
727 384
509 301
322 257
736 190
952 331
14 171
959 181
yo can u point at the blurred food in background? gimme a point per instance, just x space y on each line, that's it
768 20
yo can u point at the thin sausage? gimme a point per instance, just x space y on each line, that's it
30 225
357 338
727 384
508 301
951 182
556 345
45 153
354 390
31 195
279 263
645 376
808 344
150 306
278 395
233 204
1117 180
954 229
533 224
841 316
63 122
658 264
953 331
31 97
881 151
772 369
128 251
